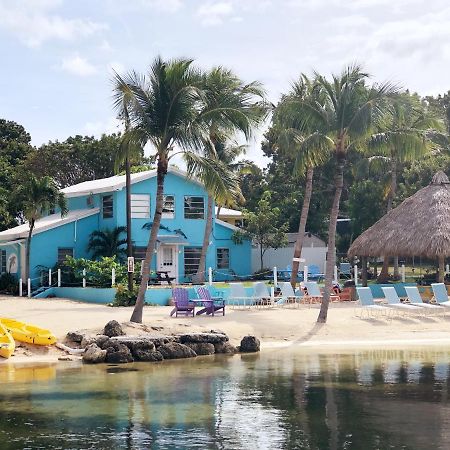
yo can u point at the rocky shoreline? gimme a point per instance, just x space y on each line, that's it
115 347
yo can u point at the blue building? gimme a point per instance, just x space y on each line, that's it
101 204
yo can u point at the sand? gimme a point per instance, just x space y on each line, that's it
275 327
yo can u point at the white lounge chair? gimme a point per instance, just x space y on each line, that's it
394 302
415 298
262 296
368 305
289 296
314 293
440 294
239 297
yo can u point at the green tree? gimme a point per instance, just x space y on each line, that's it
263 227
107 243
35 197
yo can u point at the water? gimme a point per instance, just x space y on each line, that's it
279 399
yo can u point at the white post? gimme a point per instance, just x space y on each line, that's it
113 277
49 277
305 274
59 277
272 294
29 288
210 278
356 274
335 275
20 288
447 268
84 278
275 277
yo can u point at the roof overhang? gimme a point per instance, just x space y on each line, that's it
172 240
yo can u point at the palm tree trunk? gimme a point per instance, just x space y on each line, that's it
441 273
302 226
27 253
200 275
331 256
128 206
261 257
161 172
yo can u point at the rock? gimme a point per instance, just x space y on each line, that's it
118 353
174 350
65 358
202 348
94 354
142 355
212 338
113 328
75 336
225 347
101 339
249 344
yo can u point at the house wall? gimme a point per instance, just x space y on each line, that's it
13 250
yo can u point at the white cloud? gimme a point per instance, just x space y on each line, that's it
108 126
116 67
76 65
170 6
214 13
33 22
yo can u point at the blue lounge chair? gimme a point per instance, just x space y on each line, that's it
261 294
182 303
345 270
415 298
289 296
367 303
314 273
313 292
440 294
394 301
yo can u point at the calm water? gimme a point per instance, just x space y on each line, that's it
277 400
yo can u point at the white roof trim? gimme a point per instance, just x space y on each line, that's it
46 223
227 225
116 183
227 212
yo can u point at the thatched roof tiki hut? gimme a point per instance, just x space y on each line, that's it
420 226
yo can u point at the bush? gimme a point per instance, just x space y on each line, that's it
9 284
124 297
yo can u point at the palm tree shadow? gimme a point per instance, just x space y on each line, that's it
309 334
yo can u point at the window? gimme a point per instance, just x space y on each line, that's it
140 206
194 207
191 259
63 252
168 207
2 261
108 207
223 258
139 253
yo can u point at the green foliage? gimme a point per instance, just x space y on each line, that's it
107 243
9 284
124 297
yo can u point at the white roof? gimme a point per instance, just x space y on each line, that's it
227 225
46 223
226 212
115 183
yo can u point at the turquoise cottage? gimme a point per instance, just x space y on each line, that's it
100 204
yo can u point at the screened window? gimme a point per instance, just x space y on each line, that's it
107 206
223 258
140 206
2 261
63 252
191 259
139 253
168 207
194 207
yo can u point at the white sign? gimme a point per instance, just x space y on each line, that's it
299 260
130 264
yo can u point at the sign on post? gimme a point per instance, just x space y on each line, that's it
131 264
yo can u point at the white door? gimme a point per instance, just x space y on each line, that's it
167 260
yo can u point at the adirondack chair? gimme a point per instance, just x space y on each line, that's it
211 304
182 304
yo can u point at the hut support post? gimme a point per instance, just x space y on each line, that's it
364 270
441 269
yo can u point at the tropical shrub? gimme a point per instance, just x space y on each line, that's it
124 297
9 284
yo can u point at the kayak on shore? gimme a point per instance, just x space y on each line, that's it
28 333
7 344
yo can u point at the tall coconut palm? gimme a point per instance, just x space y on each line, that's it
343 116
37 196
107 242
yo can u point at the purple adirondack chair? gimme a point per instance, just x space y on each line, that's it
212 304
182 303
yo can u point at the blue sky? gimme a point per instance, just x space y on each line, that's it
57 55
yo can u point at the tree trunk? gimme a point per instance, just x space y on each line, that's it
200 275
261 257
441 273
128 207
27 253
160 176
302 226
364 271
331 256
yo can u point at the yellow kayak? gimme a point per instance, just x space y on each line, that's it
7 344
30 334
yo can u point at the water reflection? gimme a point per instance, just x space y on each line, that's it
280 399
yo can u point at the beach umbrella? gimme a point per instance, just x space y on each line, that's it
419 226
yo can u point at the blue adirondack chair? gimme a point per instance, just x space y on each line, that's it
182 303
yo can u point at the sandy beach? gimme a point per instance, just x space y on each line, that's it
276 327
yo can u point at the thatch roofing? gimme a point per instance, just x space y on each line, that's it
420 226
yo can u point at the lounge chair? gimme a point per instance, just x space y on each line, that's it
182 303
394 301
415 298
345 270
212 304
313 293
289 296
262 296
314 273
440 294
238 296
366 300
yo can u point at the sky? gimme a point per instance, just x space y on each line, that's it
57 55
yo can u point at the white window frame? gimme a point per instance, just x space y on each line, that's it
140 206
168 215
193 215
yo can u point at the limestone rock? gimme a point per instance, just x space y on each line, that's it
94 354
113 328
225 347
202 348
249 344
174 350
151 356
75 336
118 353
212 338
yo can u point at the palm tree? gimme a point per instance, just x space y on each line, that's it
107 243
343 115
37 196
405 135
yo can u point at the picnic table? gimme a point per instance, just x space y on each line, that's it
160 277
